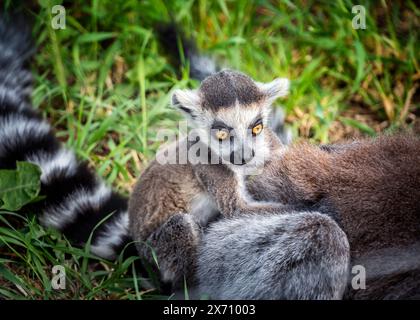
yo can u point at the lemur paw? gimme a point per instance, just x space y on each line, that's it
210 175
175 244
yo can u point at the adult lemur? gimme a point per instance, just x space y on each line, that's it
371 188
76 201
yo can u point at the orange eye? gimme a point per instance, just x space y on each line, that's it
222 134
257 129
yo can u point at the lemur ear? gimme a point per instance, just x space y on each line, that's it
188 101
275 89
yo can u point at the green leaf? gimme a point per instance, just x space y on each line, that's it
47 4
20 186
96 37
360 65
358 125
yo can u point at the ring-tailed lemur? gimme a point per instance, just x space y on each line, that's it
370 188
176 44
63 176
76 200
169 205
266 245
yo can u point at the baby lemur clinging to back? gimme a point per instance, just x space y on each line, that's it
169 204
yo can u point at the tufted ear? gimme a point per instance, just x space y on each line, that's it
187 101
275 89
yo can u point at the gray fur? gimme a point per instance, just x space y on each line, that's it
391 273
369 187
225 88
201 66
174 260
267 250
301 255
204 209
278 125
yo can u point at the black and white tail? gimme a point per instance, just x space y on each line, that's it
76 200
176 44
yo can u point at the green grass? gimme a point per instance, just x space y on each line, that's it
105 85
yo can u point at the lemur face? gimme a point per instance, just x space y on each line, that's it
230 112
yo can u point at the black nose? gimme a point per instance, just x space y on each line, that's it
243 159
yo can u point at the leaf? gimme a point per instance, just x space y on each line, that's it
358 125
20 186
47 4
96 37
360 65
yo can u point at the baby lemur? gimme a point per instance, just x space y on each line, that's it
169 205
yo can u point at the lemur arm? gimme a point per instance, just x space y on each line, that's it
229 193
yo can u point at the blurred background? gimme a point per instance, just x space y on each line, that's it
104 81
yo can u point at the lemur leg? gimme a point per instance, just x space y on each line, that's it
288 256
175 247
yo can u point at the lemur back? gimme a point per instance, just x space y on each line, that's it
371 187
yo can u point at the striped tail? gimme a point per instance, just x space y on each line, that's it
171 36
76 200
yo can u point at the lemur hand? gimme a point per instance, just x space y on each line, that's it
222 184
229 194
214 175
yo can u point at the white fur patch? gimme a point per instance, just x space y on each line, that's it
275 89
187 101
240 118
112 236
202 66
64 213
203 208
12 89
15 128
64 160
